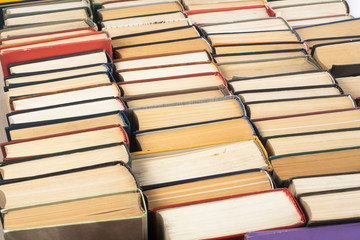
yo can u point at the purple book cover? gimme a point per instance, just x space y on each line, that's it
349 231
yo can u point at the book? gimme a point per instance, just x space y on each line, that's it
274 108
153 99
184 113
162 167
330 232
318 20
160 85
66 96
119 214
43 28
257 68
342 202
140 10
201 4
286 80
154 36
64 142
50 127
314 163
226 38
63 161
142 19
37 53
339 58
55 41
307 10
114 29
166 71
277 3
161 60
316 121
288 93
229 14
42 36
202 188
350 85
328 30
305 185
283 212
260 24
56 84
48 75
56 187
311 141
257 47
75 109
24 19
314 42
167 47
214 132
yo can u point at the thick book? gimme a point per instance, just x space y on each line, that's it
112 216
49 127
350 86
308 122
202 4
275 108
166 71
202 188
157 167
253 68
206 16
229 217
12 57
160 85
106 14
64 96
258 47
349 27
63 142
75 183
253 25
166 47
162 59
341 58
176 96
342 202
236 37
42 36
63 161
44 28
193 135
324 182
286 80
67 110
332 161
307 10
261 55
348 231
312 141
166 34
185 113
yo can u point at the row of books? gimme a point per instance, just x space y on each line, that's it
196 155
268 36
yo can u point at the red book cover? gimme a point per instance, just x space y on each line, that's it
46 35
3 145
28 54
237 236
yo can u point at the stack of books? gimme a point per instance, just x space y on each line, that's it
192 119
